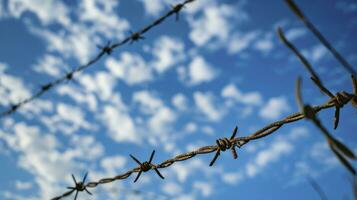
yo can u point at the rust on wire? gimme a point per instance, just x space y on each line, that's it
239 141
224 144
340 99
338 148
146 166
108 49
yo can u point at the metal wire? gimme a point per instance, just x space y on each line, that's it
238 141
108 49
293 6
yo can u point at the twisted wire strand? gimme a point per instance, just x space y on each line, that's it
239 141
136 36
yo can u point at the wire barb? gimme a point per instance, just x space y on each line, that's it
107 49
177 9
78 186
340 99
135 37
223 144
146 166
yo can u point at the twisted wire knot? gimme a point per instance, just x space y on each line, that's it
223 144
342 98
135 37
146 166
79 186
107 49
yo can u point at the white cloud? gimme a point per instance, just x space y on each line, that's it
172 188
23 185
232 178
113 164
131 68
160 116
167 52
192 167
241 41
232 92
66 120
120 125
86 147
161 120
205 104
274 108
199 71
179 101
102 83
50 65
277 149
148 101
103 15
190 127
78 38
205 188
79 96
12 89
213 24
46 11
298 133
295 33
321 153
38 155
317 53
153 7
76 43
265 44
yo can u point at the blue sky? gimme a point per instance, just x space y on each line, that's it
185 85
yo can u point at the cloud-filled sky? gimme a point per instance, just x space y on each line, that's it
186 84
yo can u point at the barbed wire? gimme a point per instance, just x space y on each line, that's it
342 152
309 112
222 145
294 7
105 50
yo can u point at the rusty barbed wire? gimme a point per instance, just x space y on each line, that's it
225 144
338 148
234 141
341 151
146 166
340 97
293 6
104 50
78 186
